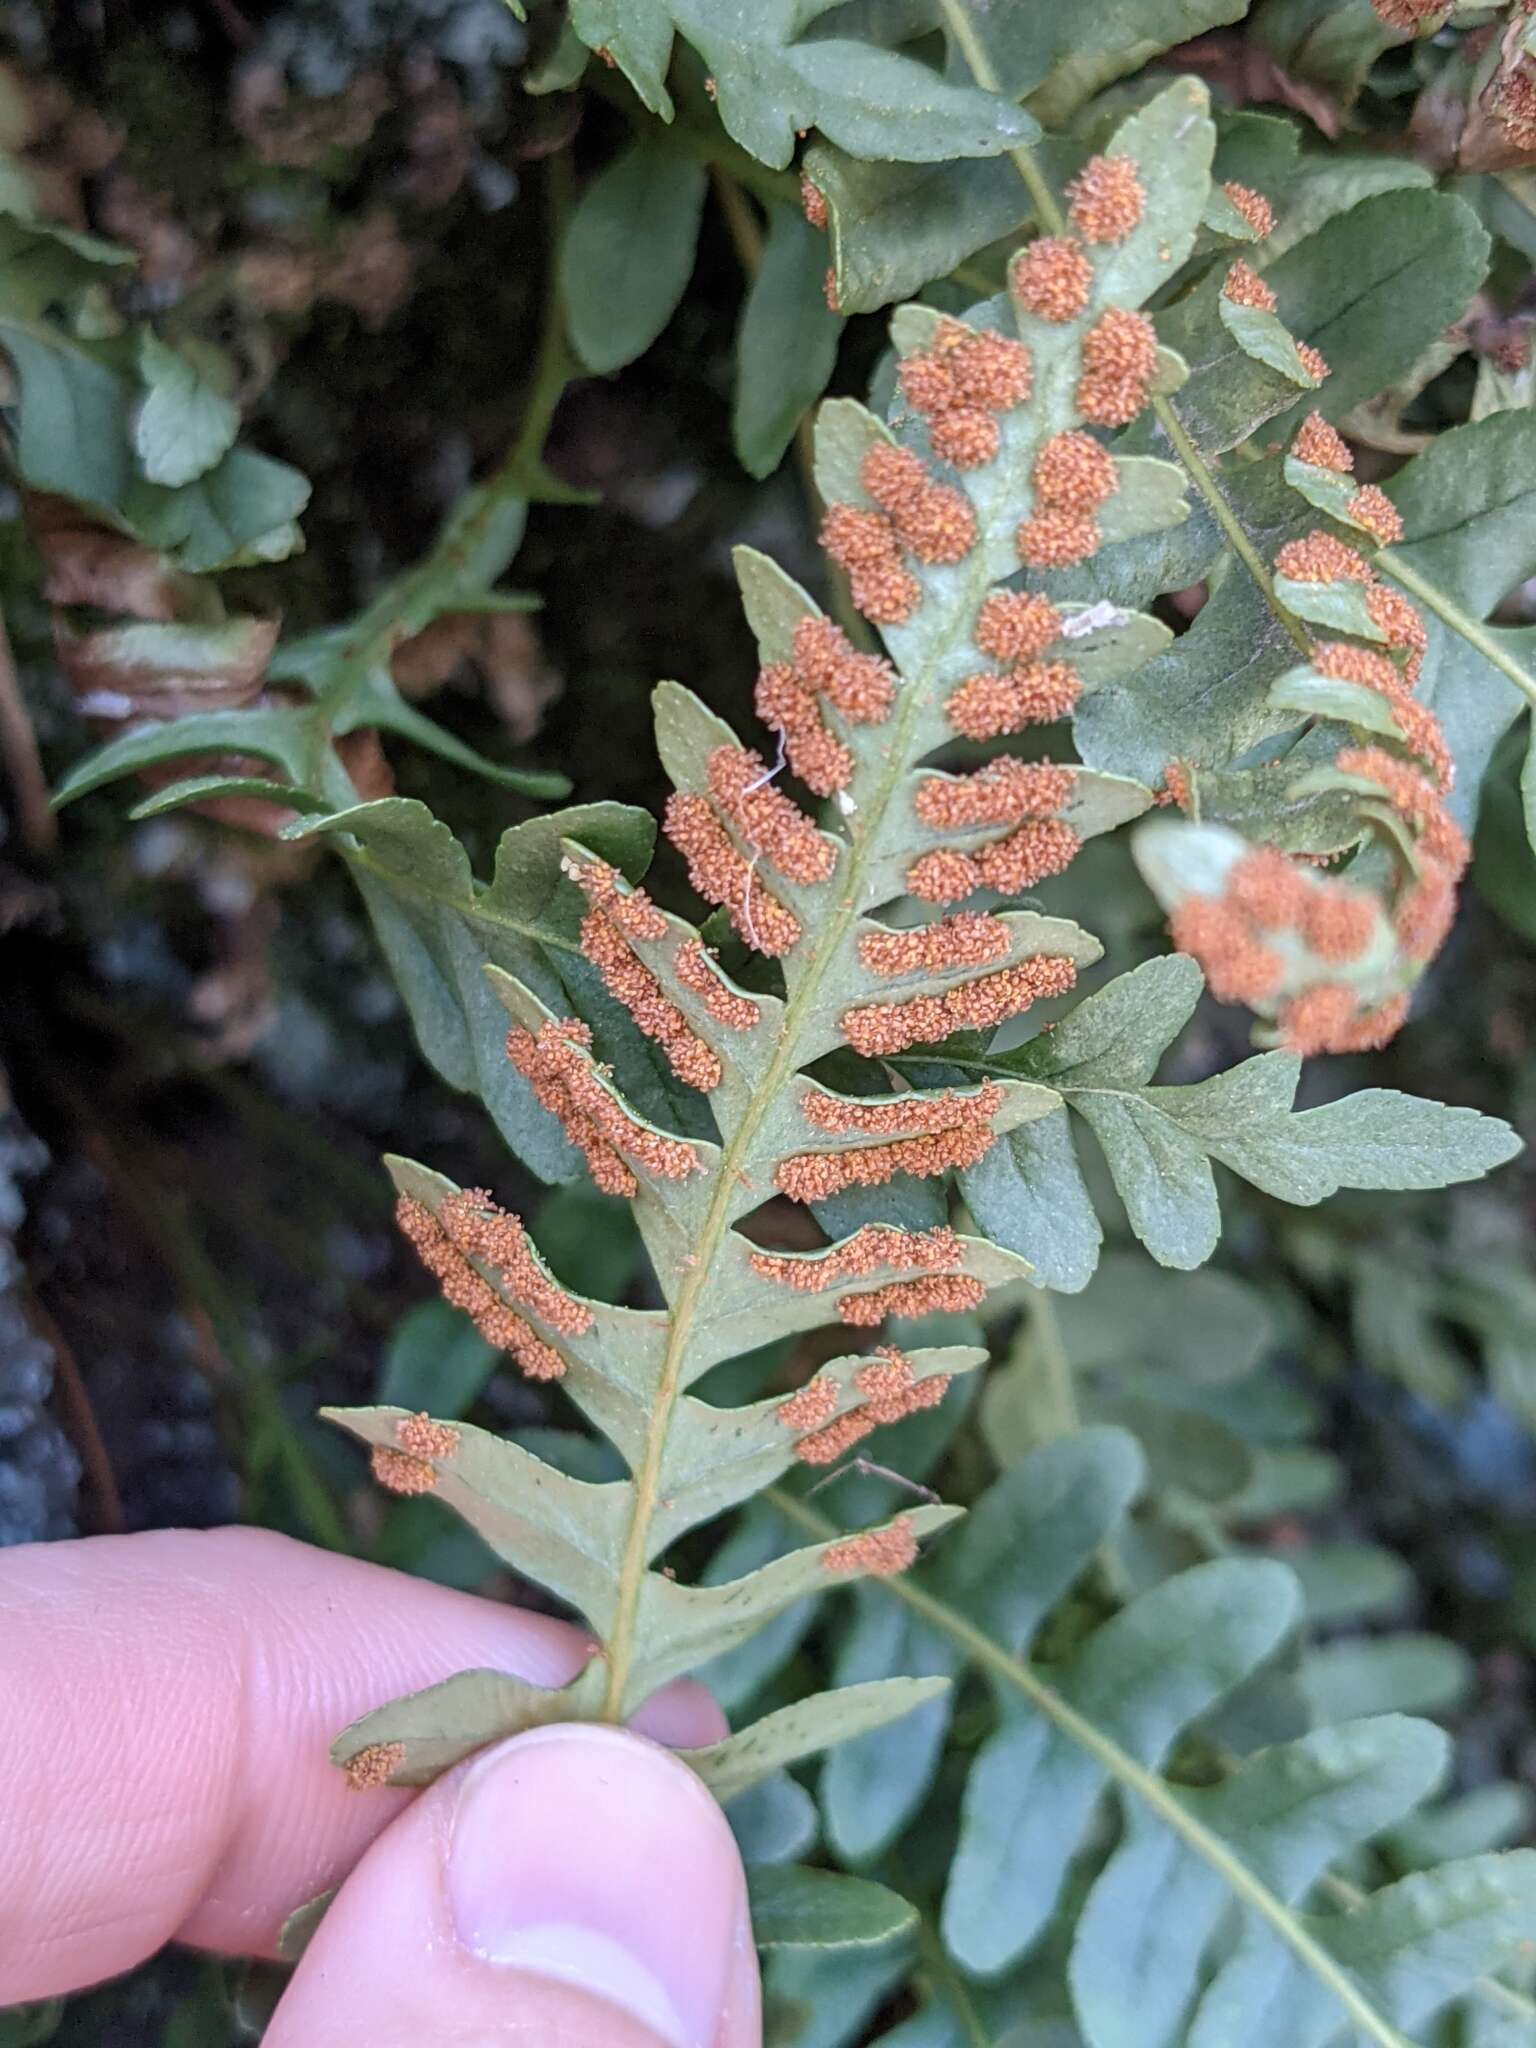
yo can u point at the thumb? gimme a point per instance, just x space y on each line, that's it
575 1885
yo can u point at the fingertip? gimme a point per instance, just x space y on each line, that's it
170 1701
576 1883
683 1715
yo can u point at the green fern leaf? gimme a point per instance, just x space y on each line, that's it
1334 289
1160 1142
786 344
81 434
628 252
817 1909
1208 704
1289 1813
771 81
1411 1949
1152 1956
1162 1663
1023 1545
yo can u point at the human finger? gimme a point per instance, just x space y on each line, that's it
576 1884
169 1701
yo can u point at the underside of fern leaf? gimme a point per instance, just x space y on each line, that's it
985 460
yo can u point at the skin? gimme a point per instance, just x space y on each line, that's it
168 1702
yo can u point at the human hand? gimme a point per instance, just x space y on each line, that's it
167 1702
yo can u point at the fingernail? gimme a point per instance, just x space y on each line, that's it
589 1855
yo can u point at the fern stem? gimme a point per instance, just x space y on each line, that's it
1048 212
1135 1777
1473 631
1204 480
620 1647
953 1986
747 240
1056 1367
958 21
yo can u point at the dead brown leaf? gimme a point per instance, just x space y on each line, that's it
502 648
137 671
90 565
1244 74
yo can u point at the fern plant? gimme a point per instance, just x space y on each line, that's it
806 897
1035 469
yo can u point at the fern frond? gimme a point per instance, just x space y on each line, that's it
139 495
1148 1957
1160 1142
1331 965
1029 476
926 558
633 1051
